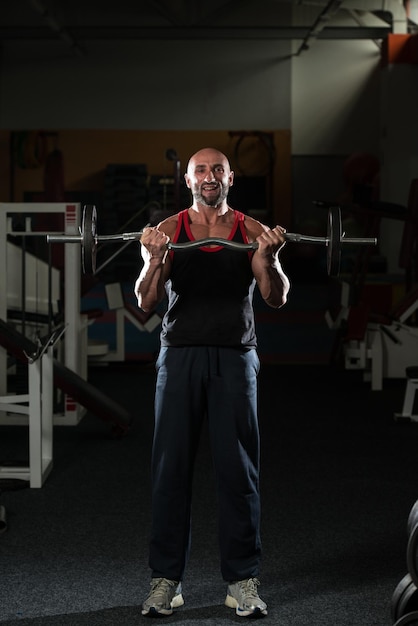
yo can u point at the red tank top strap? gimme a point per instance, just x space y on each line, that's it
240 218
181 220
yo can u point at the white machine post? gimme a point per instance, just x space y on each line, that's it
3 299
38 406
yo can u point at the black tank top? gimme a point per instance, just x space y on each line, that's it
210 293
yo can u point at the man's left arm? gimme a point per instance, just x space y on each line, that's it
272 281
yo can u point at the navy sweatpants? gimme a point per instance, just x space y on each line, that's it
192 383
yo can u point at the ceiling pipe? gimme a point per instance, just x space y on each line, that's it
56 27
328 11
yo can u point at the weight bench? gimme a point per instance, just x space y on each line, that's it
409 397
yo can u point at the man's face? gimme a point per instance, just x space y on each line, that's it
209 177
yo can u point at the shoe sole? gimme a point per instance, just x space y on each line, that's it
232 603
175 603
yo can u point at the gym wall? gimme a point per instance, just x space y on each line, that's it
86 153
157 85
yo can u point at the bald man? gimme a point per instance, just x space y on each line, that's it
207 369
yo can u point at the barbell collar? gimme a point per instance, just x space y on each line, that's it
121 237
298 238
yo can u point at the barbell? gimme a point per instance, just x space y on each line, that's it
89 239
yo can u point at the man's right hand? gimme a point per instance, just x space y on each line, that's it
154 242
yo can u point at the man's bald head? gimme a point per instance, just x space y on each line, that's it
209 177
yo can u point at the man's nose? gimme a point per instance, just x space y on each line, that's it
209 176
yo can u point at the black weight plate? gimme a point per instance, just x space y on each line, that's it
412 554
404 598
410 619
89 239
413 518
334 234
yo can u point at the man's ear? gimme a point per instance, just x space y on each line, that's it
231 178
187 179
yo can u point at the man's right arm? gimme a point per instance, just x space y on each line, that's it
149 286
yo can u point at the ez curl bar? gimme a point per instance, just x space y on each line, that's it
89 239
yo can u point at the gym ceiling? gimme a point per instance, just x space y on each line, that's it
77 23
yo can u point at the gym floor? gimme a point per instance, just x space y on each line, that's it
339 478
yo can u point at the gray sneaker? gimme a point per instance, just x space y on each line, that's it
243 597
164 596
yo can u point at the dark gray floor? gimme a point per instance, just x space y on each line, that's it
339 478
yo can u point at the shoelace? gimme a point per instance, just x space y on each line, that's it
160 587
249 587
